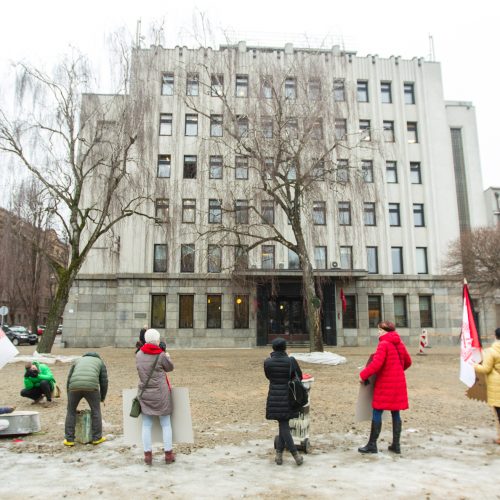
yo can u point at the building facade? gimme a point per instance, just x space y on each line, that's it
405 179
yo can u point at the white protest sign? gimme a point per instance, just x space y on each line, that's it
7 350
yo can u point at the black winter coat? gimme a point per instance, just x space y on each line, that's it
277 370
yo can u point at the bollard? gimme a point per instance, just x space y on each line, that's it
423 342
83 428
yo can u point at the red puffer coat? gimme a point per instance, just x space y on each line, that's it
388 364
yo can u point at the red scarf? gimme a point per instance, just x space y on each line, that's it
154 349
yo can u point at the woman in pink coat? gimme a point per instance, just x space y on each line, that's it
388 364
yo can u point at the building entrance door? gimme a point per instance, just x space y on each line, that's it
286 319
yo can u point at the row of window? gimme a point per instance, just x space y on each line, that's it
241 212
315 129
241 169
289 90
268 260
376 313
186 311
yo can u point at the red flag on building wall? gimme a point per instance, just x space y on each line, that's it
470 343
342 299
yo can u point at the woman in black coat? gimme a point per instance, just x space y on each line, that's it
277 370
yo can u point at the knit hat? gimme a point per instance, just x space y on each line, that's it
152 336
279 344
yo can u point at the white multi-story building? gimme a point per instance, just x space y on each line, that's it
379 242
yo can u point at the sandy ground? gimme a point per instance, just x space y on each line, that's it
447 439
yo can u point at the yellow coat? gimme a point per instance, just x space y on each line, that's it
491 368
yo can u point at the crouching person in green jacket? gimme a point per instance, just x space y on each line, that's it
88 379
38 382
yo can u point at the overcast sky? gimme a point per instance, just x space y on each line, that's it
465 34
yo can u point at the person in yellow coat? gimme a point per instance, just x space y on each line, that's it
491 368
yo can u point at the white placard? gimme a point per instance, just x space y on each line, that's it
7 350
182 427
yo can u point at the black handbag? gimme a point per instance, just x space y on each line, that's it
297 392
135 410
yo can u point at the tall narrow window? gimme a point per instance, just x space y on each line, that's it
397 260
266 87
374 310
167 84
267 127
320 257
186 310
314 89
317 129
241 311
215 167
400 311
188 211
241 211
192 84
267 256
214 211
385 92
290 88
214 311
343 171
418 215
291 173
415 172
190 167
340 129
217 85
242 125
267 211
391 172
214 258
412 132
161 210
422 267
215 125
241 168
339 90
158 310
364 130
394 217
389 131
349 317
372 260
409 91
241 85
293 260
292 128
160 258
241 257
425 309
319 213
163 166
369 216
187 258
191 125
362 91
367 168
166 124
318 170
345 213
346 257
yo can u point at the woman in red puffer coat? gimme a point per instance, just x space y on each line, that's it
388 364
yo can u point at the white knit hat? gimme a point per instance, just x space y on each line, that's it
152 336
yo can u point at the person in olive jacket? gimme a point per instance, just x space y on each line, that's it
277 369
491 368
38 382
87 379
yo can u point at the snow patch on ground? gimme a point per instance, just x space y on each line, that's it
321 358
48 359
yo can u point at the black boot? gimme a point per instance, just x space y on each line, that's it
396 435
371 446
298 458
279 457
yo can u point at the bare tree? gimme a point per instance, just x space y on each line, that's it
476 256
76 143
288 137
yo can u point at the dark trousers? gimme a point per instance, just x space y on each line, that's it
285 439
377 416
497 409
44 389
93 398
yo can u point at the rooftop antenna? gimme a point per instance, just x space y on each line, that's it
432 55
138 37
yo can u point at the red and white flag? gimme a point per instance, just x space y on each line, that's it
343 300
470 343
7 350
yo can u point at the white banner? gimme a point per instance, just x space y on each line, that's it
7 350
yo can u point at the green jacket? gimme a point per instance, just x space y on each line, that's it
44 373
88 373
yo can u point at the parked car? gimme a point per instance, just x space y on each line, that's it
59 330
40 329
20 335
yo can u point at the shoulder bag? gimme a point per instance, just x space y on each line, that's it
135 411
297 392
